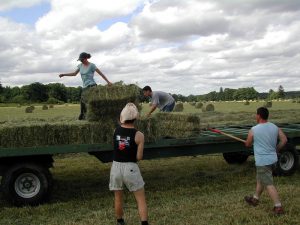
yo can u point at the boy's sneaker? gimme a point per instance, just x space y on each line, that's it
251 200
278 210
121 223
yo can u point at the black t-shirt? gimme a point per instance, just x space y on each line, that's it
125 148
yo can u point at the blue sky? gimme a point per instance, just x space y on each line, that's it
27 15
184 47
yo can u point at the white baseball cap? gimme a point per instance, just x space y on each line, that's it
129 112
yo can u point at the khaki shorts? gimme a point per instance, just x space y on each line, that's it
264 174
127 173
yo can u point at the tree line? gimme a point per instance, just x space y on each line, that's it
37 92
58 93
229 94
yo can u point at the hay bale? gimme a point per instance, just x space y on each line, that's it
63 133
28 109
177 125
107 102
208 108
45 107
32 107
268 104
51 106
178 107
246 103
198 105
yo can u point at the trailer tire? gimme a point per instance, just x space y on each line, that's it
235 157
288 161
27 184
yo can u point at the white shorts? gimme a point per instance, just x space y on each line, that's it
127 173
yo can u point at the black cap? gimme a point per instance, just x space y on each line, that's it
84 55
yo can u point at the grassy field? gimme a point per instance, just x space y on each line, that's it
180 191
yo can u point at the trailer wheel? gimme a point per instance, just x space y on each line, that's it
288 161
27 184
235 157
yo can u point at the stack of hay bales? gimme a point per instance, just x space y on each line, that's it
106 102
104 106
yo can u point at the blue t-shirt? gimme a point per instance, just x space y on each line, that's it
265 137
87 74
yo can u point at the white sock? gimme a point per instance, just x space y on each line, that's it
254 196
278 204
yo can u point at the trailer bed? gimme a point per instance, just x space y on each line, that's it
207 142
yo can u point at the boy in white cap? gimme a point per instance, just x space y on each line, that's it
128 149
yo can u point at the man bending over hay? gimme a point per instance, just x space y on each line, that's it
128 149
159 99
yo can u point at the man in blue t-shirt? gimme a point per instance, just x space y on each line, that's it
86 70
264 137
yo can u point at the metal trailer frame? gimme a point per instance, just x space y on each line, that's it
33 163
207 142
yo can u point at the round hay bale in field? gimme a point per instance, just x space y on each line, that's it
268 104
208 108
29 109
178 107
51 106
32 107
198 105
246 103
45 107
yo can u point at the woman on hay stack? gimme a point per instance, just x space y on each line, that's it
87 70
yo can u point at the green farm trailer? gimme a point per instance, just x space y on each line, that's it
26 179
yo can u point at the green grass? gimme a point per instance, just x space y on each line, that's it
180 191
60 112
186 190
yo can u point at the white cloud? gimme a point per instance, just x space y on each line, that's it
10 4
192 46
69 15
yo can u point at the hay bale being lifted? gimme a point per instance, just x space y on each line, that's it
107 102
177 125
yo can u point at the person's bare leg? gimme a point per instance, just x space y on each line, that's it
141 202
273 194
119 204
259 189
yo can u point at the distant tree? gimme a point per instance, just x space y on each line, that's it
245 94
73 94
1 88
211 96
35 92
280 92
228 94
221 94
57 91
